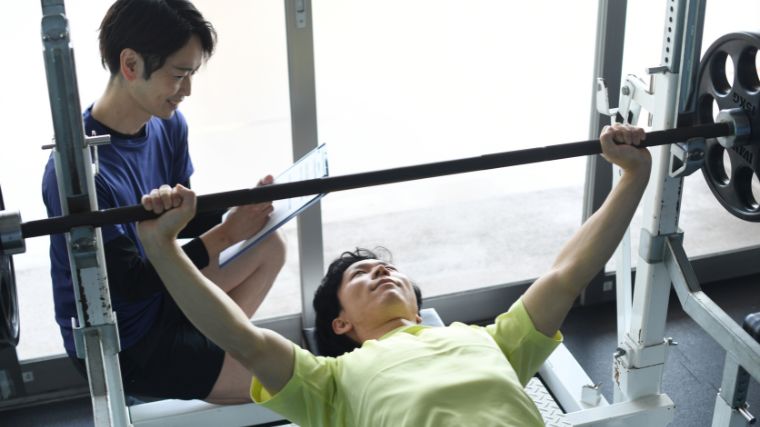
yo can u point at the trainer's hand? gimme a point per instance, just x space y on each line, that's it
620 146
176 206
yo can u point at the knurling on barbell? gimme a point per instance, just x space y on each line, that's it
218 201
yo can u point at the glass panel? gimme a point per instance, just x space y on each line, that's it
713 229
402 83
27 124
239 115
239 119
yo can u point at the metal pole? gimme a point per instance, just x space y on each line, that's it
95 327
639 362
303 118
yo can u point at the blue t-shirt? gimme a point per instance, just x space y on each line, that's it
129 168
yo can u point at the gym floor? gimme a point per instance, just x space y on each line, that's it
692 374
694 367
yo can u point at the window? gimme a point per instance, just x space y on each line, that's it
27 125
239 118
402 83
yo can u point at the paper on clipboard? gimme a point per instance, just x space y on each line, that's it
311 166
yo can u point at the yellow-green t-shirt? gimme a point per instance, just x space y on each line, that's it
460 375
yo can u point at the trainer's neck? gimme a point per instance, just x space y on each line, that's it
117 110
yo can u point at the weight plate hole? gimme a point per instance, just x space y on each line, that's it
747 187
715 110
749 68
725 168
6 297
718 165
722 73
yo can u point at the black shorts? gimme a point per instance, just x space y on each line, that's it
172 361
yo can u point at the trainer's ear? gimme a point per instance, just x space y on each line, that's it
341 326
130 64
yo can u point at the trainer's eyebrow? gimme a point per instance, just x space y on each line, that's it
185 69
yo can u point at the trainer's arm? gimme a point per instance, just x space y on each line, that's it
550 298
265 353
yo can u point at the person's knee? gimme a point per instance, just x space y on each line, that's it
275 250
232 385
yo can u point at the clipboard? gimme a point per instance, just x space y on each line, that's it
311 166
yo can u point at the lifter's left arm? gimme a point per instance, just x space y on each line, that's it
550 298
266 354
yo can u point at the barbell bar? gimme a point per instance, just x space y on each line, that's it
13 231
223 200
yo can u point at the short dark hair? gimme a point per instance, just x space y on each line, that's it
153 28
327 305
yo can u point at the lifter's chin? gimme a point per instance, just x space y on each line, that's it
396 304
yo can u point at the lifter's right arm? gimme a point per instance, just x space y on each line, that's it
266 354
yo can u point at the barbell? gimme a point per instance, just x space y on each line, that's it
733 130
13 231
223 200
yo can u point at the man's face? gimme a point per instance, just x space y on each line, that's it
373 292
161 94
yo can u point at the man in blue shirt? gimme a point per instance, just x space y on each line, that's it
153 49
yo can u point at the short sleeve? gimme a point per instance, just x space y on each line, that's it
525 347
182 165
107 200
308 398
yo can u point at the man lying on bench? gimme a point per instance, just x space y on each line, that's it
401 373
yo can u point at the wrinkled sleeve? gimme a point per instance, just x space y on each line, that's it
307 399
525 347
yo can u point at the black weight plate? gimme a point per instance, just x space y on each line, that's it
9 320
730 172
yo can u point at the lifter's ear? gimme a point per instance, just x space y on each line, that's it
341 326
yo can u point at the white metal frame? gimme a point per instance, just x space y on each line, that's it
639 363
95 331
